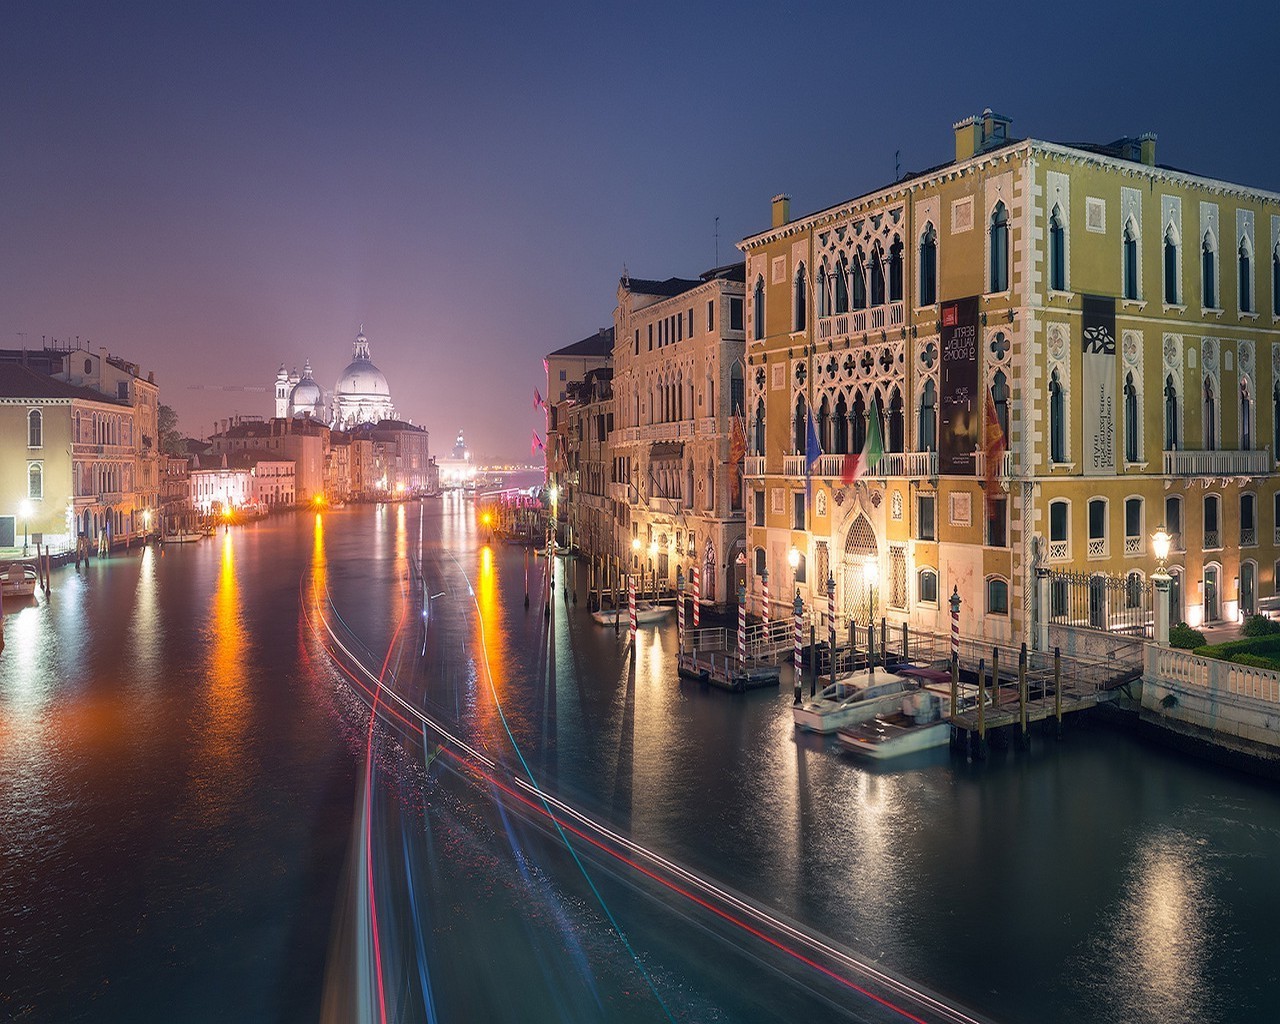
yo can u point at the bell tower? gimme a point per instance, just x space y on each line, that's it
282 393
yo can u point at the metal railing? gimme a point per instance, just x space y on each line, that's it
1113 604
891 464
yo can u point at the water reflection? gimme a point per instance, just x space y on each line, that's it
146 632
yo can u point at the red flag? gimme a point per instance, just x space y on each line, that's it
848 469
536 445
994 445
538 403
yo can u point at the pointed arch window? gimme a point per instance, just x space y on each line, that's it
895 270
1057 420
1246 416
801 301
1170 266
1210 416
824 424
1057 252
1130 419
1246 277
1000 398
927 439
757 310
858 283
1209 272
1130 261
929 265
822 290
842 287
841 427
877 277
999 245
758 431
897 430
858 425
1170 414
799 425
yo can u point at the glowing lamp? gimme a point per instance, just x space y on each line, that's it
635 543
24 509
870 571
1160 542
793 558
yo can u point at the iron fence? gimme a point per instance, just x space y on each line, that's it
1113 604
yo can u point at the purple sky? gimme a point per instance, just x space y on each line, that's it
211 189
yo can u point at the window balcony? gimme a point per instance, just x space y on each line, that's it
1097 547
859 321
1133 545
1219 463
1248 536
705 426
753 465
891 464
1058 550
1006 465
1212 540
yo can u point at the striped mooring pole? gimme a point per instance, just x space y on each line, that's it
742 627
955 624
680 614
764 612
799 662
831 624
631 606
697 595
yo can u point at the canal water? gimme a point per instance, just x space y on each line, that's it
197 821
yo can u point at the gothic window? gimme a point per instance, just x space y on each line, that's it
1246 277
757 310
999 237
842 286
822 290
1246 417
897 428
1130 261
824 424
1209 272
1057 420
1210 416
859 283
877 277
35 429
799 425
1057 252
858 425
801 301
1170 266
1000 398
758 431
1130 419
929 265
841 427
737 392
927 441
895 270
1170 414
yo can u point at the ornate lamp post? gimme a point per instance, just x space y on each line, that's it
1160 542
24 512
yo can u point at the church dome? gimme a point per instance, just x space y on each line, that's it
306 395
361 377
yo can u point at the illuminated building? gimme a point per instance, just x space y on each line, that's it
457 469
362 395
1117 319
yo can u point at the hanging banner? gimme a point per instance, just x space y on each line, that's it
958 408
1098 345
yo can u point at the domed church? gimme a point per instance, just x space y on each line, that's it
362 394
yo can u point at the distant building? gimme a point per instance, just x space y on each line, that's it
458 469
303 441
272 480
569 365
402 462
218 487
360 397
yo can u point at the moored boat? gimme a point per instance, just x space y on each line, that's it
646 613
18 579
921 724
852 700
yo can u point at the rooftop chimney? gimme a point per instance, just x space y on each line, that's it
979 133
1147 140
781 209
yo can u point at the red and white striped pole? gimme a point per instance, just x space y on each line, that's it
631 606
742 627
680 614
831 623
697 595
799 662
955 624
764 612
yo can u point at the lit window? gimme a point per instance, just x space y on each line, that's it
928 586
997 597
35 429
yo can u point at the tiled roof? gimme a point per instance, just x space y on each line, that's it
671 286
17 381
598 344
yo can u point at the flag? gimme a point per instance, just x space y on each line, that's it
812 453
737 449
872 448
538 403
848 469
536 444
993 446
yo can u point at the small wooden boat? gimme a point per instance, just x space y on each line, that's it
182 537
18 579
646 613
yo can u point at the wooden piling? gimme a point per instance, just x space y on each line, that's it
979 739
1057 688
884 642
905 647
1022 696
813 661
871 648
995 677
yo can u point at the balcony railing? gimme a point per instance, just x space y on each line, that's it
624 434
1057 549
753 465
1248 536
1006 464
1212 540
657 504
618 492
891 464
1193 463
666 431
859 321
1133 545
1097 547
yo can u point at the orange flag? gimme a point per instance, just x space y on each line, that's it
993 445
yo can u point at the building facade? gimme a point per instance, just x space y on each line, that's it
580 460
303 441
1096 327
678 397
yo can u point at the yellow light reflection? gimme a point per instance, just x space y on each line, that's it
146 638
490 638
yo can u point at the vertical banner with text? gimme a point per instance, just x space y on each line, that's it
958 399
1098 415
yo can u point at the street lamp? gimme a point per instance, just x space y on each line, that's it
793 558
24 511
1161 580
1160 543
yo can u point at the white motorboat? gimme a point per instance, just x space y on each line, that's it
646 613
183 537
853 699
18 579
923 723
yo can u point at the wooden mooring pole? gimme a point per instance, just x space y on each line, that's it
1022 698
1057 688
980 740
813 660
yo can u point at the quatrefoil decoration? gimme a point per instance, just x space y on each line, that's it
832 367
801 374
868 363
760 378
1000 346
849 365
929 355
886 360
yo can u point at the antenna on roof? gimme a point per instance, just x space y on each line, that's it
717 262
897 165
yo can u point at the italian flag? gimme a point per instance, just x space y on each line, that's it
872 449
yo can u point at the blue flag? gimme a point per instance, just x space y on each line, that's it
812 450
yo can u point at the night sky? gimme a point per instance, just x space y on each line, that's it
211 189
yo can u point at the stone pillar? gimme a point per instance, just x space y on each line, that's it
1042 605
1162 580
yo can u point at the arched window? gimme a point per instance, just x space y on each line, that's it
929 265
1057 252
757 310
737 392
1170 415
842 286
35 429
927 439
858 282
1210 416
824 424
1173 521
1133 527
877 277
35 480
758 430
1275 283
841 426
997 596
1000 398
1097 526
760 562
927 587
1133 589
688 486
897 428
1275 420
801 301
1246 277
1212 533
1209 272
1246 416
999 239
1057 420
895 270
1130 261
1248 519
822 290
799 425
1170 266
1130 419
858 425
1059 528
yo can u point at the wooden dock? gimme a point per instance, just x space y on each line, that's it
710 655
